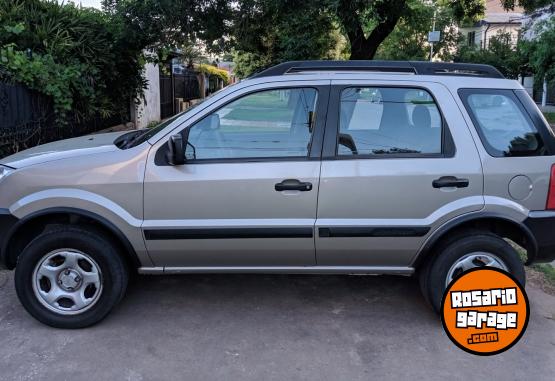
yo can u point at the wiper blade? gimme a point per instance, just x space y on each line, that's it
131 138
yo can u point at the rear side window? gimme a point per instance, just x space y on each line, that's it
502 122
382 121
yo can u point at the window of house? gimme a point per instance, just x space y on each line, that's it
471 37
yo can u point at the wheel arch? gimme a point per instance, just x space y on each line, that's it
498 224
30 226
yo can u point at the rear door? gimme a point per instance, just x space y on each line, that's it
398 162
247 193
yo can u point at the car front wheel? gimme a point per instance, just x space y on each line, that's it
70 277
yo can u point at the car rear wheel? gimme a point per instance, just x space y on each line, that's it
69 277
471 249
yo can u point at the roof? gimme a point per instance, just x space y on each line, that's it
495 6
503 18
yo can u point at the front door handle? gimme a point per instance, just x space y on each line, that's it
293 184
450 182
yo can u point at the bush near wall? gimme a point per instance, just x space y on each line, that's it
81 58
212 70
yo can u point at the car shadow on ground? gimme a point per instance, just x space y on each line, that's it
277 296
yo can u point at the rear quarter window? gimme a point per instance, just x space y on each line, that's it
504 125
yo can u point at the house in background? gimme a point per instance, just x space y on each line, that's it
495 20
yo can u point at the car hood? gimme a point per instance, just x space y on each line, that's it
63 149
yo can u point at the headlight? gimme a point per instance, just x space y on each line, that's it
5 171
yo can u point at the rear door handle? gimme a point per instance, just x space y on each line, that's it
293 184
450 182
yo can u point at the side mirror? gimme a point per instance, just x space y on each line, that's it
176 150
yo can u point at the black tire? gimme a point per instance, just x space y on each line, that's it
112 266
434 274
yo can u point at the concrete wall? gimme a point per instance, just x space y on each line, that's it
149 109
528 84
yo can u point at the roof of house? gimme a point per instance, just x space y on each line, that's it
495 13
503 18
495 6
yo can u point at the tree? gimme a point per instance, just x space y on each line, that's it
409 39
161 24
367 23
541 50
72 55
501 52
267 32
528 5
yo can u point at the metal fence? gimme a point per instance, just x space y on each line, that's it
27 119
187 86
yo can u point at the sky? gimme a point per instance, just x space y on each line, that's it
86 3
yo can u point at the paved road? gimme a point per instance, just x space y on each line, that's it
258 327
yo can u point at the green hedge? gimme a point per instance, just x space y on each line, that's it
212 70
82 58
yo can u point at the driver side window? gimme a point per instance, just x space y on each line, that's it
266 124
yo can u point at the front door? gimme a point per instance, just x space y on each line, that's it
399 161
247 194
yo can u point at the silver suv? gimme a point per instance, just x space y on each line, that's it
362 167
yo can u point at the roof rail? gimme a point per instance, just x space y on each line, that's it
407 67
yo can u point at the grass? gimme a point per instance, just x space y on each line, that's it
550 116
547 270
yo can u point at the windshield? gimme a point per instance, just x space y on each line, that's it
148 133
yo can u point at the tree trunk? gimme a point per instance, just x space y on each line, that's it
362 47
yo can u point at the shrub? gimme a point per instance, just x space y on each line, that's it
212 70
71 54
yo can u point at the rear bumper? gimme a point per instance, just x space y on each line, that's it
542 226
7 221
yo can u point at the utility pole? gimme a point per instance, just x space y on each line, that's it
430 39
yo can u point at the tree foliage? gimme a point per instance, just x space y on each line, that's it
268 31
501 52
541 50
408 41
71 54
528 5
162 24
